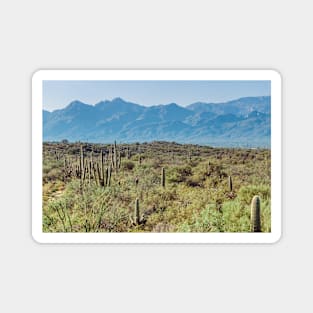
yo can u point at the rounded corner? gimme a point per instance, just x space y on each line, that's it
276 74
36 238
276 238
37 75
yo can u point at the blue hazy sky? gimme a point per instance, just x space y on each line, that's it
58 94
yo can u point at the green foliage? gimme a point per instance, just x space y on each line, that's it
179 174
52 171
92 211
197 196
233 217
246 193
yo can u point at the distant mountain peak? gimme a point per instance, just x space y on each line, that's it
241 122
173 104
118 99
118 105
76 104
114 101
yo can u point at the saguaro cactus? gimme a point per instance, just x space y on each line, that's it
115 156
64 169
256 214
111 157
137 212
82 163
85 168
99 174
89 171
106 176
109 176
230 183
103 171
94 170
91 156
163 177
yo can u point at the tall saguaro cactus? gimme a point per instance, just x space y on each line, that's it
109 176
91 156
103 174
89 171
230 183
256 214
105 177
163 177
99 174
111 157
137 212
119 159
82 163
64 169
115 156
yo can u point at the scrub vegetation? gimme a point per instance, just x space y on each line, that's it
155 187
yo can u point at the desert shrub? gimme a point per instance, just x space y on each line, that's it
52 170
59 217
91 211
161 198
207 220
246 193
236 217
156 163
128 165
54 174
196 197
179 174
114 220
195 181
233 217
194 162
46 168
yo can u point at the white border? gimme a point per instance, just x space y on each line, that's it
41 75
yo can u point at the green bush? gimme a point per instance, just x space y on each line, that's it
246 193
179 174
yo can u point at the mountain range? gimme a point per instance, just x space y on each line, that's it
243 122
